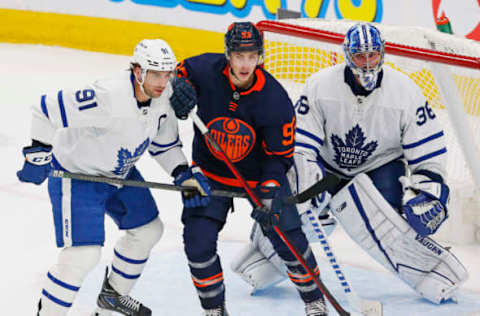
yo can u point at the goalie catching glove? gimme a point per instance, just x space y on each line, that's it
425 203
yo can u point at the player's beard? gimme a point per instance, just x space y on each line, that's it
153 92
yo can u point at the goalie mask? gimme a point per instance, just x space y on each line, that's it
154 55
364 52
243 37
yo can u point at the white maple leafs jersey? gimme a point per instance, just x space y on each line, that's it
351 134
100 130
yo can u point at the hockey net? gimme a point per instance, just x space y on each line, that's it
445 67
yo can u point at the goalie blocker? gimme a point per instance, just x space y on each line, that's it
427 267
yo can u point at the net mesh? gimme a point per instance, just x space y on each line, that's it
292 59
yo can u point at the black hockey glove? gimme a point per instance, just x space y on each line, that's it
184 97
268 215
267 218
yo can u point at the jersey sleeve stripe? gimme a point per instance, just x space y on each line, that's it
428 156
44 105
156 153
287 153
305 145
310 135
62 108
166 145
423 141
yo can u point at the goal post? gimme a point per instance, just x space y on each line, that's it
446 68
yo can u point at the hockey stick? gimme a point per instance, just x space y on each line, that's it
141 184
366 307
257 203
327 182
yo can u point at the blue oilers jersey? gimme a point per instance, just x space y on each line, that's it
255 127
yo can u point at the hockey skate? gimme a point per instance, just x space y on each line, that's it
316 308
110 301
219 311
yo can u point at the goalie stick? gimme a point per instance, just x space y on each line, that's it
257 203
366 307
326 183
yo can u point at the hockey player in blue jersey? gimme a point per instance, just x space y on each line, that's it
103 129
371 125
252 118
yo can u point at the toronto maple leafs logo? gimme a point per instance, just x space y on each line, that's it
353 152
126 159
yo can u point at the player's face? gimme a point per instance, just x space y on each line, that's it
243 65
155 82
367 60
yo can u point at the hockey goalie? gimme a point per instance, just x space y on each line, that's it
371 126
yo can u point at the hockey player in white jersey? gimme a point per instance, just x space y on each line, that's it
371 126
103 129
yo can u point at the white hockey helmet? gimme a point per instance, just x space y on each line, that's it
153 54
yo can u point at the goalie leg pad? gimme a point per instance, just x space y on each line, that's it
372 223
255 269
258 263
264 246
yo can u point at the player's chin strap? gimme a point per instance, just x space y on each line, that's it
142 81
257 203
143 74
366 307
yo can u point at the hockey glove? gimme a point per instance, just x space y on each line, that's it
184 97
425 203
269 214
194 177
37 164
268 217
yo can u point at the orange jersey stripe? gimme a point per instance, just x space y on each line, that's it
233 182
288 152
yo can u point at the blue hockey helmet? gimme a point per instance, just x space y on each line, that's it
243 37
364 39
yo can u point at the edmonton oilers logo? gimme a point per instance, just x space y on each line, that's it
235 137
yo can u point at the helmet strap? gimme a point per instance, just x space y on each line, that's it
140 81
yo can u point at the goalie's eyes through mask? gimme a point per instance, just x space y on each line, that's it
366 60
